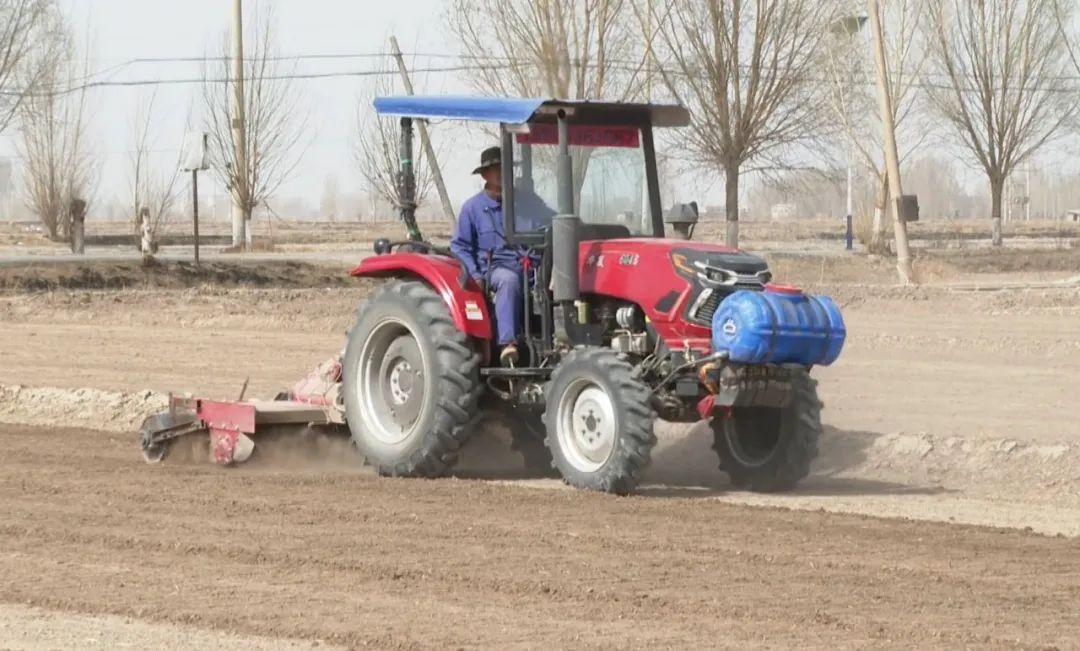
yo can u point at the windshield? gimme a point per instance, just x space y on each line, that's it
609 177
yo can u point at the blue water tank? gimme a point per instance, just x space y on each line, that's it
780 325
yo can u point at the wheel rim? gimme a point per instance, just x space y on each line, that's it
586 425
753 435
393 386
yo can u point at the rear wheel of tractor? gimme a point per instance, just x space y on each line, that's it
770 450
599 421
411 380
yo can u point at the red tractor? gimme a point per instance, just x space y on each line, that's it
622 326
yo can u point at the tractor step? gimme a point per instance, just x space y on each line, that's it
516 373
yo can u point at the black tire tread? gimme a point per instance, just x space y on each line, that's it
458 383
802 419
624 471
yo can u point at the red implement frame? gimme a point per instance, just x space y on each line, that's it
226 421
231 424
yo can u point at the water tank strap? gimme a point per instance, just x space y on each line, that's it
827 341
775 325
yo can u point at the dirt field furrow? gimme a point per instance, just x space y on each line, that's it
344 557
948 408
36 629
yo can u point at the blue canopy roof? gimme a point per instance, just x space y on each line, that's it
512 110
486 109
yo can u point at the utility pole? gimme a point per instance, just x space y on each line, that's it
195 210
194 159
239 174
429 150
892 157
849 216
849 27
646 202
1027 191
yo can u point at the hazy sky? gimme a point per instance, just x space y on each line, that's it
120 30
112 32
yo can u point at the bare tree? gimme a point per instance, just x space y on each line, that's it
152 189
331 199
566 49
569 49
274 123
748 69
25 29
852 79
52 138
375 150
999 72
1064 15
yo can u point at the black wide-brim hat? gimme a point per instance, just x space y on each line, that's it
490 157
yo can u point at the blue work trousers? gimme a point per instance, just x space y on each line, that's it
506 284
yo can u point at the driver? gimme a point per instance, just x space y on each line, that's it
479 239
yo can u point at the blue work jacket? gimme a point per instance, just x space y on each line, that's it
480 231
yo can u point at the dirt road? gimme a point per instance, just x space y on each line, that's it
339 556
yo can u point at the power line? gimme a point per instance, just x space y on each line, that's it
509 60
318 56
340 56
225 80
505 63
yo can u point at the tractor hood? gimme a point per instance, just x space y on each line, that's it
675 282
643 253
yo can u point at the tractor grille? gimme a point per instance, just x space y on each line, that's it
718 281
707 309
704 308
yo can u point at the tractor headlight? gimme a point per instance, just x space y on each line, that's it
714 276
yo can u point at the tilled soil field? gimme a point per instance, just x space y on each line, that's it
341 557
948 405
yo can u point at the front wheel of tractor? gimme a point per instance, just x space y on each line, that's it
599 421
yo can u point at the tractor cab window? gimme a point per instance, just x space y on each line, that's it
609 177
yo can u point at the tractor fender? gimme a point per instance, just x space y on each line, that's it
467 305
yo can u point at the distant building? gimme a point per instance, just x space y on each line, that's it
784 212
1072 216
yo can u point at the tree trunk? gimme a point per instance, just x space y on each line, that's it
731 207
78 237
147 237
877 234
997 188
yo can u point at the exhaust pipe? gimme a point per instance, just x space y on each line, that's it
565 228
565 235
564 256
